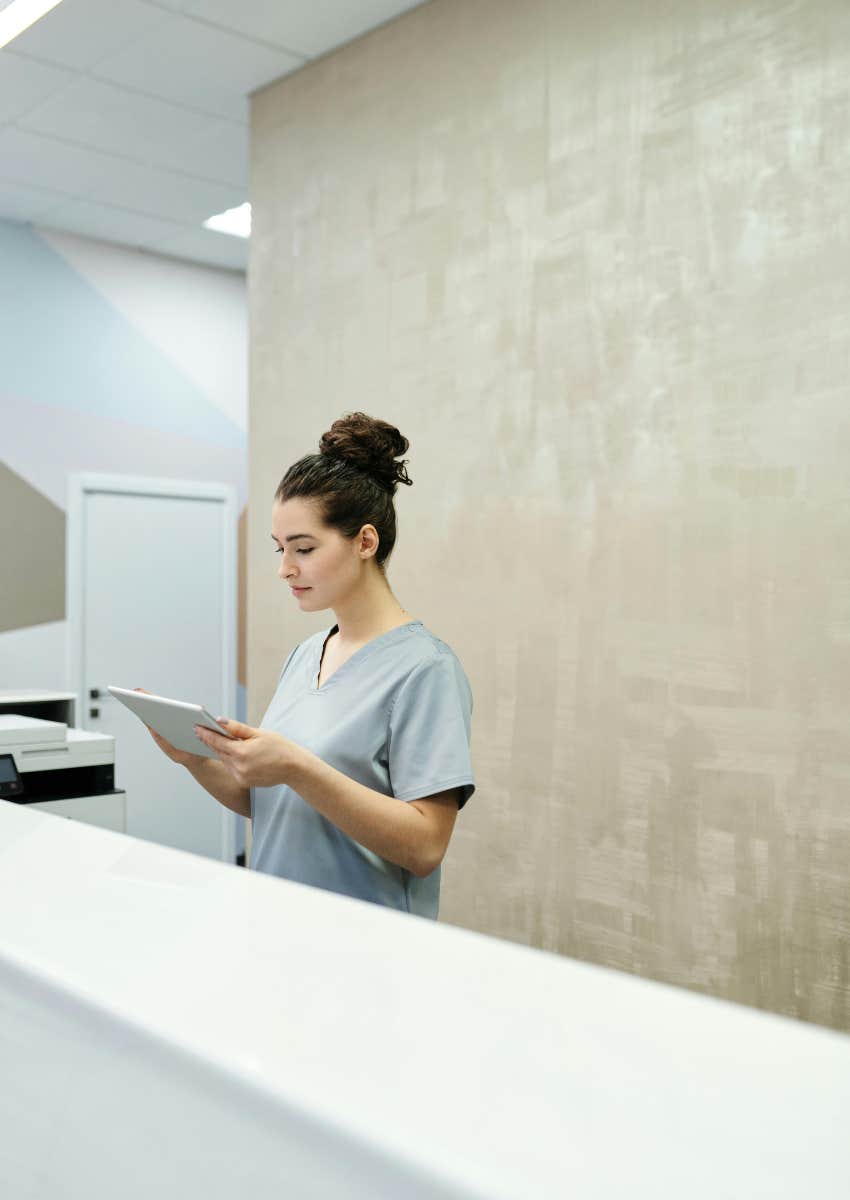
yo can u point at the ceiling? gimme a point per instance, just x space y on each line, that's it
127 120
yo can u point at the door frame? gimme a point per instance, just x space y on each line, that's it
79 485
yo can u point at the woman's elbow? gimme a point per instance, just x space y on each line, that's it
426 861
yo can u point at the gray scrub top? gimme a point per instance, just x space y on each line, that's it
396 716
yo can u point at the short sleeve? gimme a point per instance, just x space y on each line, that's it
429 731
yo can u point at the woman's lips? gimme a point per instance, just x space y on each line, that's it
299 590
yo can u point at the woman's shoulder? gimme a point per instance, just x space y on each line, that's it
427 645
427 652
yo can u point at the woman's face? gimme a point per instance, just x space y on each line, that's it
321 567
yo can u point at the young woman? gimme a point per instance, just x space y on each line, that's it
355 776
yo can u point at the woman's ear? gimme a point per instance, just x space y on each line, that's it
368 541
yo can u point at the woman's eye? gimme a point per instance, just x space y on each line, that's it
310 551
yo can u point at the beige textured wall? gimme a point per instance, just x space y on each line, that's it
593 259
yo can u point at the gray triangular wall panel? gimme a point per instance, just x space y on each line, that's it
32 554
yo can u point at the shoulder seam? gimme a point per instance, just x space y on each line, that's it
438 644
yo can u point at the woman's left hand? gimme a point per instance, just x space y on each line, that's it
254 757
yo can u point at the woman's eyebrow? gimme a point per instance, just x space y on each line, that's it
293 537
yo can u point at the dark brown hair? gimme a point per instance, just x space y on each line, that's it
353 478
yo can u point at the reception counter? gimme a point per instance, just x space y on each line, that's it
174 1027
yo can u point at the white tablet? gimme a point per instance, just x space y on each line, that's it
172 719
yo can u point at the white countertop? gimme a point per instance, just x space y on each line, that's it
382 1049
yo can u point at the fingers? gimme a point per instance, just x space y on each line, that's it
230 753
236 728
215 741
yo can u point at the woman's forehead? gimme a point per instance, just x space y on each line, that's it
298 511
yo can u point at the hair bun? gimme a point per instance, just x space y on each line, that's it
370 445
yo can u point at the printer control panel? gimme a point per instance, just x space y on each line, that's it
10 779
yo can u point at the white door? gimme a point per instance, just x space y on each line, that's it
152 604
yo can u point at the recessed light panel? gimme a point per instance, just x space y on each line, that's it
18 15
235 221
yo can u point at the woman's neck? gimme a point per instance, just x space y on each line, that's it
373 611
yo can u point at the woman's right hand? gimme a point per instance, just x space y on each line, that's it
183 757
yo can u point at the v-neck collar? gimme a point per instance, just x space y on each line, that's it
361 653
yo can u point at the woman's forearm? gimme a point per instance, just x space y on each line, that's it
388 827
214 777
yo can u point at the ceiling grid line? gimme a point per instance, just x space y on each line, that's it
17 123
228 29
124 87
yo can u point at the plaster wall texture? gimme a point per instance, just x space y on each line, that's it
593 260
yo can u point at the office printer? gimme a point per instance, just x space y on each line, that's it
46 763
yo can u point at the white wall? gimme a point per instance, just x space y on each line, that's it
112 360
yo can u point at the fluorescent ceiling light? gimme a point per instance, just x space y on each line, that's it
18 15
233 220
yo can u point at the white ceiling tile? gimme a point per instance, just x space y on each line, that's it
31 160
166 193
193 64
307 27
204 245
106 117
18 202
79 33
24 84
218 151
176 6
108 224
45 162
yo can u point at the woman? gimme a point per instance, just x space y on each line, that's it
355 776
